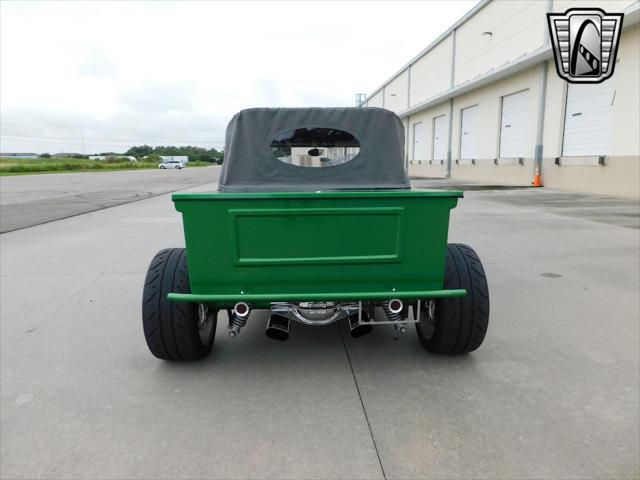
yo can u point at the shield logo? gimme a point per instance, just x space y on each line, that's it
585 43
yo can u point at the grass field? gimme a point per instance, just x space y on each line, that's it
26 166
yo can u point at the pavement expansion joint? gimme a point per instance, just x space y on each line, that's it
364 410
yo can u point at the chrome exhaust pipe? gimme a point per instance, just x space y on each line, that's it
238 318
395 305
241 309
357 329
393 309
278 327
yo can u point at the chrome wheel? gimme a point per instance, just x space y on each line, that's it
206 323
427 322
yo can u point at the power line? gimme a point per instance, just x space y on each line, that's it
111 140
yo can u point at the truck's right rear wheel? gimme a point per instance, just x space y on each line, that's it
457 325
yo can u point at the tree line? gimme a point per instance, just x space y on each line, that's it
195 154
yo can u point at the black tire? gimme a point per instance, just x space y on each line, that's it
171 328
459 324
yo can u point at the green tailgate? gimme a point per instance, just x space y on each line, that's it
264 247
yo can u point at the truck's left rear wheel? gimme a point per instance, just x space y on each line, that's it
179 331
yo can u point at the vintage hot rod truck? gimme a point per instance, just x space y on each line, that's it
316 222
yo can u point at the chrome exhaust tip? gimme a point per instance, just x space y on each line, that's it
395 305
278 327
241 309
359 330
238 318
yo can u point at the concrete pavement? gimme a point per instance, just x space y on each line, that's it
552 393
27 200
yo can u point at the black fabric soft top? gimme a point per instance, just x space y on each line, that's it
251 166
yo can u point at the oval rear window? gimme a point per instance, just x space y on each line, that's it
315 147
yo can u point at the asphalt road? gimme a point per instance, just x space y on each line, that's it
27 200
552 393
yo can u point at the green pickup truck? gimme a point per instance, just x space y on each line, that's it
316 222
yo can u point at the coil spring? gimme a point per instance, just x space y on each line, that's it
238 321
394 317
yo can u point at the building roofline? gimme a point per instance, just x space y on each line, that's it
522 63
631 16
479 6
631 19
542 54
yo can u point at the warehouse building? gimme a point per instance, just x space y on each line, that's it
484 103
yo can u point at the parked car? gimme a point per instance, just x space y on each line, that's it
315 222
172 164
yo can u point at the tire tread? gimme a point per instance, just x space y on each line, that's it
462 322
170 328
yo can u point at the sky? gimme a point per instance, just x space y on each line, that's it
90 77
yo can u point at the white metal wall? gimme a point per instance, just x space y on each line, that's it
431 74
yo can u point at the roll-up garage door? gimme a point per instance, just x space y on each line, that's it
588 119
419 141
469 133
513 126
440 138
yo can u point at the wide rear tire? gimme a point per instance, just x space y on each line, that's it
458 325
173 330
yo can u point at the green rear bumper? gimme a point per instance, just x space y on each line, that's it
312 297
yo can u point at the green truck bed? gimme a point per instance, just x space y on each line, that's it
305 246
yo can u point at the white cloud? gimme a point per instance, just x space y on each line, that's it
95 63
159 95
121 73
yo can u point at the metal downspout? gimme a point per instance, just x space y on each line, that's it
542 102
406 145
451 83
406 157
409 86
